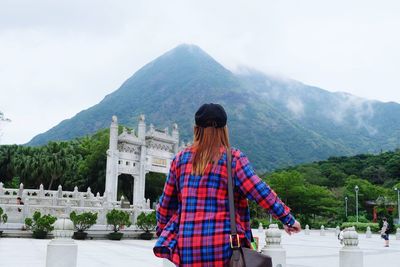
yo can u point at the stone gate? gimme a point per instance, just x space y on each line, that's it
136 154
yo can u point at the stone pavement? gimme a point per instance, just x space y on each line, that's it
302 251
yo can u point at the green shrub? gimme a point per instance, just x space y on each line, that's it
361 219
39 223
118 218
362 227
147 222
3 216
83 221
317 224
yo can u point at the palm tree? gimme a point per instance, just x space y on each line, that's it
57 159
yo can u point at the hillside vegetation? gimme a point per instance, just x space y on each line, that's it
314 191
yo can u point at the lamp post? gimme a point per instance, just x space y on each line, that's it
345 199
356 189
398 202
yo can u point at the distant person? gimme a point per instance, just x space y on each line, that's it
19 202
193 223
385 231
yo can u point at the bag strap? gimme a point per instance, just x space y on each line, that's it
231 201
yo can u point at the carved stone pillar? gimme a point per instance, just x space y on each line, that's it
273 246
350 255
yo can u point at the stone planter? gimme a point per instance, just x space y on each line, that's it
80 235
115 236
146 236
39 234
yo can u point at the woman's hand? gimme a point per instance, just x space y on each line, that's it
295 228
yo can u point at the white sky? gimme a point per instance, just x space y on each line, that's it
59 57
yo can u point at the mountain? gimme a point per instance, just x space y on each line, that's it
277 122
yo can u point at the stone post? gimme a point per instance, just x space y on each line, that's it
76 192
112 162
322 232
41 190
21 190
350 255
273 246
175 135
260 228
307 230
62 251
398 234
337 230
1 189
89 194
368 233
59 192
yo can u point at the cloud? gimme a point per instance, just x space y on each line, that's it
349 106
296 106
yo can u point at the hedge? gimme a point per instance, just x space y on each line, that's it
362 227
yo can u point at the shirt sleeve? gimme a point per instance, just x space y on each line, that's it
168 204
255 189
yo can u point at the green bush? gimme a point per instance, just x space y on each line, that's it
147 222
317 224
39 223
3 216
118 218
362 227
83 221
361 219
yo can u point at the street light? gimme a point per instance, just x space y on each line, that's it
345 199
398 202
356 189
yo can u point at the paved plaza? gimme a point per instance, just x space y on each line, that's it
302 251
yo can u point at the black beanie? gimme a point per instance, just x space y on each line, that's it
210 115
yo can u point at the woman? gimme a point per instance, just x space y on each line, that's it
193 214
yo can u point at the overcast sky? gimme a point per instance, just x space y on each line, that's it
59 57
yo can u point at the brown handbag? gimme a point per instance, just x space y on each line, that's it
241 257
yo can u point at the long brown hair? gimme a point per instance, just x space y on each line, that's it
207 144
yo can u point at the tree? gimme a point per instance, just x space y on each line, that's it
7 153
305 199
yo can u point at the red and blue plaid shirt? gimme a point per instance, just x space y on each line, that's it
193 225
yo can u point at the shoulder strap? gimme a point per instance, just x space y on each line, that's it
230 193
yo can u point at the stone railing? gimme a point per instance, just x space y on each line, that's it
58 202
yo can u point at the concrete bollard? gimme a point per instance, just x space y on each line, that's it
398 234
260 228
337 230
322 232
62 251
368 233
307 230
350 255
273 246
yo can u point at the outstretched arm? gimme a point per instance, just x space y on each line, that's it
255 189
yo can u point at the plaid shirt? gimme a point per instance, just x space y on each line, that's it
193 214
